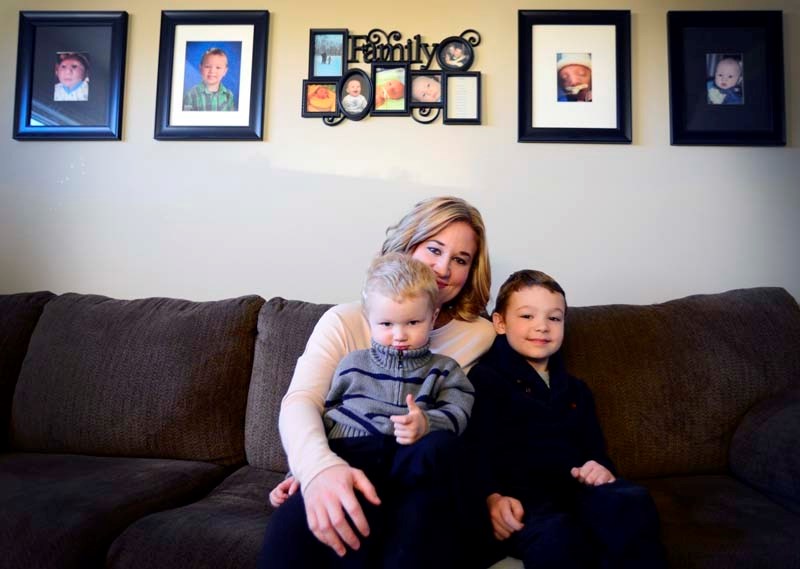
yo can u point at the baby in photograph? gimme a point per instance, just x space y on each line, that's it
354 102
725 87
72 72
426 89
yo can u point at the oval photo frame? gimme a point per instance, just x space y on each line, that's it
353 109
455 54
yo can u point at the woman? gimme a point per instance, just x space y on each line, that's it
447 234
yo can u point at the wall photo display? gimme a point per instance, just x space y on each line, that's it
211 74
70 75
574 76
726 81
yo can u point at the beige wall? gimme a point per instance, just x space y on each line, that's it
300 214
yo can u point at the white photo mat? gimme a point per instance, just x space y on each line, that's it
462 97
187 33
547 42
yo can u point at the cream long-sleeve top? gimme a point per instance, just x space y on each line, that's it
341 330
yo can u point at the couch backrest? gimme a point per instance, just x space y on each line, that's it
18 316
283 330
153 377
673 380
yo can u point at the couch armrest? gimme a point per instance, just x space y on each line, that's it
764 450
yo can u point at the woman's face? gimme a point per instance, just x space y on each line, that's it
450 253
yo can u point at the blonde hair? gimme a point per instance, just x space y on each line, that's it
400 277
431 216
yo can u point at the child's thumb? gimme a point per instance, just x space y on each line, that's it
412 405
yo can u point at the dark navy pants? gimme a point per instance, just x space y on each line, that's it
609 526
412 527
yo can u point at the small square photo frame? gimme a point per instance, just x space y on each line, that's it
211 75
392 93
462 102
558 104
327 53
427 89
70 75
355 94
319 99
726 82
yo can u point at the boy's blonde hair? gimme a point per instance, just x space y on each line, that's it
214 51
429 217
399 277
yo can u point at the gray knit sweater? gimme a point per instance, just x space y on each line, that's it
371 385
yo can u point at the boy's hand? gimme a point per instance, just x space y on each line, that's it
410 428
506 514
592 474
282 491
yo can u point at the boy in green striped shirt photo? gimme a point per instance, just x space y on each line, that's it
211 94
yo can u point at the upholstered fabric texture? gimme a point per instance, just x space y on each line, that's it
283 330
673 380
765 451
18 316
224 530
154 377
65 510
716 522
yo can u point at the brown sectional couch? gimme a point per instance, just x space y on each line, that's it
143 433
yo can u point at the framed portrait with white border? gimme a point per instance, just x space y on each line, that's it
211 74
574 76
462 98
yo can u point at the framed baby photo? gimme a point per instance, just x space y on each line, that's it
319 99
392 96
726 84
462 100
574 76
455 54
211 74
70 75
427 89
327 53
355 94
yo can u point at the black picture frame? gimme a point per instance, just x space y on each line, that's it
462 61
455 109
309 110
750 43
44 108
423 102
366 92
318 69
188 30
390 72
607 35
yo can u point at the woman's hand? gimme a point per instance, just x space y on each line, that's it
282 491
592 474
328 497
410 428
506 514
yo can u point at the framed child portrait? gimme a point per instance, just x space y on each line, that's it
70 75
574 76
427 89
211 75
319 99
327 51
726 81
390 81
455 54
355 94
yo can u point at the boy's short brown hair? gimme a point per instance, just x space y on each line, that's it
525 279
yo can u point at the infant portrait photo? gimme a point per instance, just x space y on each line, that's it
354 100
211 76
72 76
426 89
574 76
390 89
724 79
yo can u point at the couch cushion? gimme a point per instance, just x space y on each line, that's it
65 510
223 530
673 380
18 316
716 522
154 377
283 330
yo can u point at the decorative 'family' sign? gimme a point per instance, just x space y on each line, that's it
392 88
